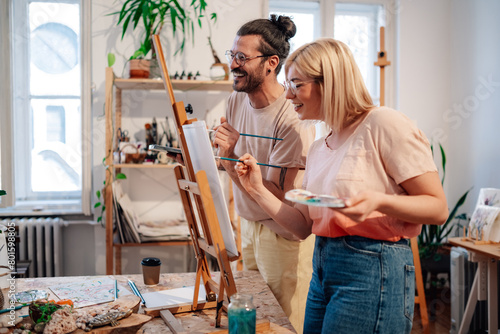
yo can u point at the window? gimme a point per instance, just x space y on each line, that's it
355 24
49 109
305 16
358 26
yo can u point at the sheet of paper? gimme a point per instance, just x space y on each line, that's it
88 292
173 297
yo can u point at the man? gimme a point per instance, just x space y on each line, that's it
258 106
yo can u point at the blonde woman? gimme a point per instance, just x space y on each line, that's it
381 164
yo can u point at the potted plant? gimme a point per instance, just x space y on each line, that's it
154 14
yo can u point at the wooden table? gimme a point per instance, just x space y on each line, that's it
247 282
485 285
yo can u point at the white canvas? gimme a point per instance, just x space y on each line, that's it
202 158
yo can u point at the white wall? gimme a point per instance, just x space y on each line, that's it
474 137
447 49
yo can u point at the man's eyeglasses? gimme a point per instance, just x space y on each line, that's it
293 86
240 58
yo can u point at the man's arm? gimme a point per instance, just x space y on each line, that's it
278 180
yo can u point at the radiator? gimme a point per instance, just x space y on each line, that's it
458 285
462 273
40 241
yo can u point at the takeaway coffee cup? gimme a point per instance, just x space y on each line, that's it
151 270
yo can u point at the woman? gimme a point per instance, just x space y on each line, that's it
381 164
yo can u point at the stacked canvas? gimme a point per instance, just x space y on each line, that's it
485 221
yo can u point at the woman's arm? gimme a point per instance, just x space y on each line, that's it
225 140
295 219
425 203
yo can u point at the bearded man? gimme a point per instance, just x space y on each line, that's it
258 106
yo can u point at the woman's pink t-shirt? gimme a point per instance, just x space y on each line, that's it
383 151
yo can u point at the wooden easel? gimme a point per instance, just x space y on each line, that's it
203 214
382 62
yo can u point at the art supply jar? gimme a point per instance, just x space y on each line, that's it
242 315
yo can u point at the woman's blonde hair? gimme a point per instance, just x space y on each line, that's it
344 94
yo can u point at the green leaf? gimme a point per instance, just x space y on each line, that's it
460 202
124 11
125 25
136 13
138 54
111 59
99 219
179 8
3 192
98 194
121 176
98 204
173 19
443 162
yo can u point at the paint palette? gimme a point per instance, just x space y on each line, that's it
308 198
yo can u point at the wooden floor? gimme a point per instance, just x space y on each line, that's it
439 323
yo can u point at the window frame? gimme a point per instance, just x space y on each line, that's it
391 8
9 205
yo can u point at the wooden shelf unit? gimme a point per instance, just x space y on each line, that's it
114 86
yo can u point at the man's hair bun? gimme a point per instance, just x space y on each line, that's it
284 24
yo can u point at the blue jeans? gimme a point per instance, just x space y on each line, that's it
360 285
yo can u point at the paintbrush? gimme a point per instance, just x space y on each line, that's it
250 135
236 160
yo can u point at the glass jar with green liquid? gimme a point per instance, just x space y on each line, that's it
242 315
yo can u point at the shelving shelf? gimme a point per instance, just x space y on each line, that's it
183 85
114 87
164 166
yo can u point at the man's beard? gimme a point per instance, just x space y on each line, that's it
253 81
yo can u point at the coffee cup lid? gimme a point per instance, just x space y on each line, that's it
150 261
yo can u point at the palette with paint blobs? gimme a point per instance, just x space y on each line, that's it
308 198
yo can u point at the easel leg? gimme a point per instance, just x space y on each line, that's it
419 283
220 302
173 324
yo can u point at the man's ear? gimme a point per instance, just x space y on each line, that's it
273 62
